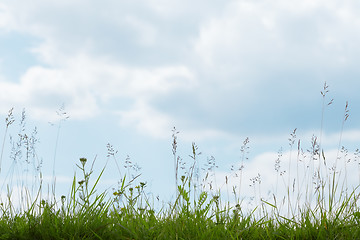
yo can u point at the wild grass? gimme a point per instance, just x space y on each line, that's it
313 201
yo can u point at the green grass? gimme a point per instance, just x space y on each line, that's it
324 210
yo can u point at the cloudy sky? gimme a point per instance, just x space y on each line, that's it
127 72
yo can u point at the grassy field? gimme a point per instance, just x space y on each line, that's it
320 206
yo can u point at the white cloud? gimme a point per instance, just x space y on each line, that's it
147 120
279 34
83 83
11 95
147 33
347 136
6 19
236 39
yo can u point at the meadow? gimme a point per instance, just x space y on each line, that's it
313 202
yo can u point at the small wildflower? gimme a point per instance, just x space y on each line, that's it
83 161
182 178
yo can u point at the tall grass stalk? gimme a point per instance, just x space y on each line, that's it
176 158
8 121
62 117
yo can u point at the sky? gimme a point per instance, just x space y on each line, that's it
127 72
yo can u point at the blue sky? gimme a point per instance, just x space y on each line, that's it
127 72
